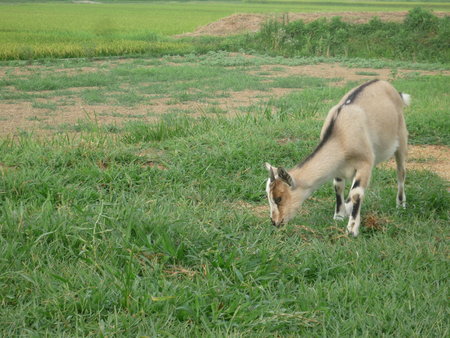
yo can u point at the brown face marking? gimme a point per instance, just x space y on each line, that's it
280 193
279 190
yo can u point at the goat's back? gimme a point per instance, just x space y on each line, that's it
370 121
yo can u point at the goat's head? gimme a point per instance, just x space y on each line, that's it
279 188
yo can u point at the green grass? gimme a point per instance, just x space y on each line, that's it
426 122
156 229
30 30
44 105
299 82
367 73
94 96
43 82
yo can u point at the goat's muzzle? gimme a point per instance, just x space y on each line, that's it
278 225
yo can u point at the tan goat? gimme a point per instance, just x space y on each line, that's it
366 127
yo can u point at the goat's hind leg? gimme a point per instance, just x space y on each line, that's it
339 185
400 159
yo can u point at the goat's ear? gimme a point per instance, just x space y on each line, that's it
284 175
272 171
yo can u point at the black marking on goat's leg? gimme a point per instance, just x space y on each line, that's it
356 184
400 195
338 202
400 155
355 218
339 186
356 205
360 183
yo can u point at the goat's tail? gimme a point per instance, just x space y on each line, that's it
406 98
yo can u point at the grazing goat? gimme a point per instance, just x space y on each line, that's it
366 127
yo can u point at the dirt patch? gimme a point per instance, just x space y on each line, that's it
35 67
261 211
153 164
5 168
250 23
179 271
427 157
30 70
336 71
231 25
67 111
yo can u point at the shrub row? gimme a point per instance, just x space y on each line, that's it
422 36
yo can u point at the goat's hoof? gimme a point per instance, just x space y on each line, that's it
352 233
338 217
352 229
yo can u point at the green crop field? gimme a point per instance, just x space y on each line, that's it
56 29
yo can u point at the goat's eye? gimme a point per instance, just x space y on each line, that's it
277 200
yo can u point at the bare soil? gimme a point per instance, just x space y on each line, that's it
250 23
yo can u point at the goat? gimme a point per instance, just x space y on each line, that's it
365 128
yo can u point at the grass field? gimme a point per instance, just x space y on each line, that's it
162 229
55 29
132 190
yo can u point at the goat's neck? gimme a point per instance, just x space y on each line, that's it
320 167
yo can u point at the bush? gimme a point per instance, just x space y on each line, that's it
420 20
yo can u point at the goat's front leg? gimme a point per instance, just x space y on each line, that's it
339 186
356 195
